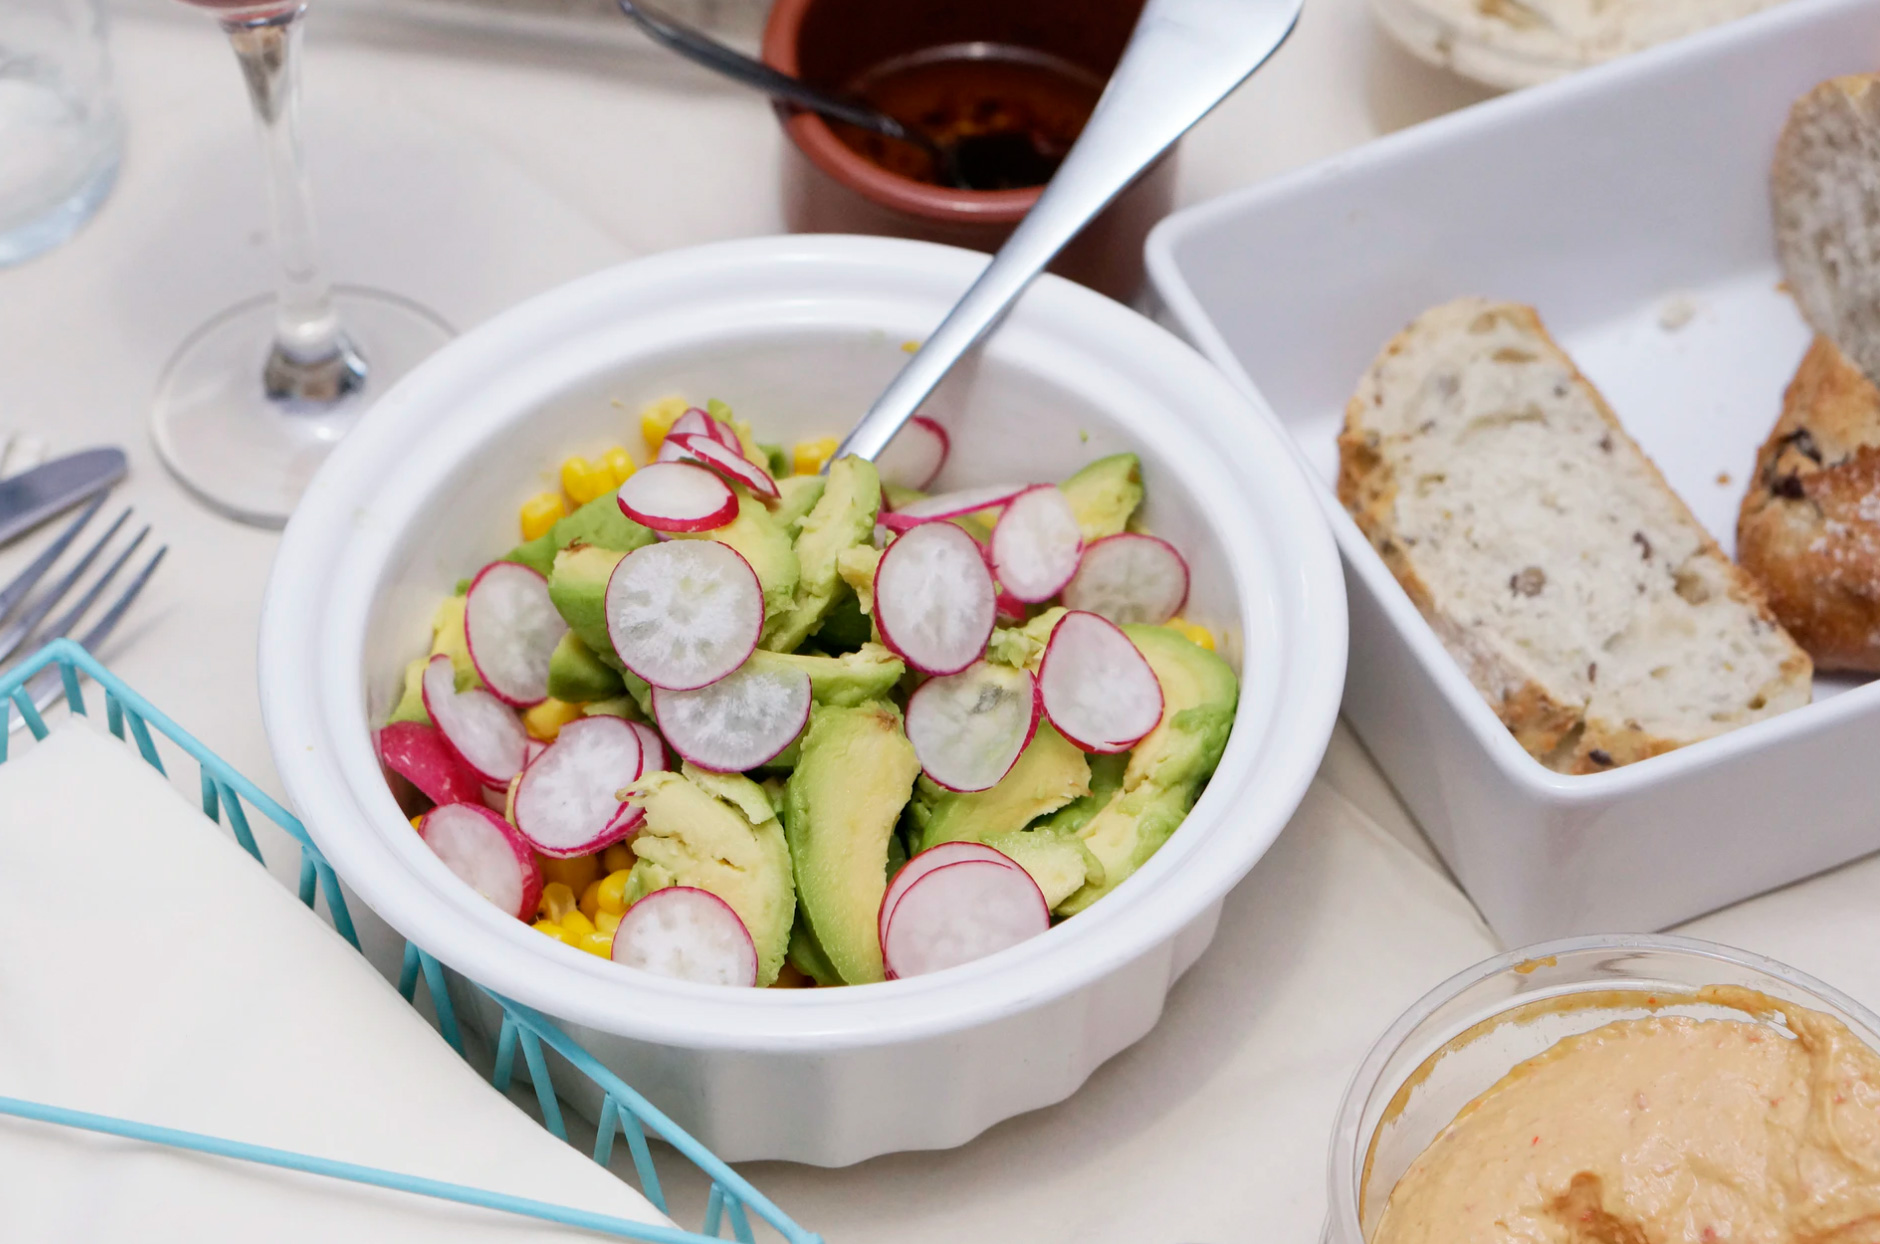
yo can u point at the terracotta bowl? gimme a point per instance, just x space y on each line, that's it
830 188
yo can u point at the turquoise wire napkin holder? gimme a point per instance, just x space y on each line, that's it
226 798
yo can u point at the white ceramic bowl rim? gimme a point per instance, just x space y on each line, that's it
330 561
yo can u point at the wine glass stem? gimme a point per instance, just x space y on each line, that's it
312 362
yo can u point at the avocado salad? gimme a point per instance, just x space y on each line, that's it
753 717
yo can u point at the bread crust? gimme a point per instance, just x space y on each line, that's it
1809 526
1562 735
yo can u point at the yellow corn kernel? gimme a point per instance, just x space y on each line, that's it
590 899
583 480
611 893
574 924
607 922
617 858
417 822
910 347
601 944
546 719
557 902
808 457
550 928
1199 635
575 873
657 419
619 464
541 512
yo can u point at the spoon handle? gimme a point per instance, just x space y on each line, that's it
1184 58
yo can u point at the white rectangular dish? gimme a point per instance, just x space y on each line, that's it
1629 204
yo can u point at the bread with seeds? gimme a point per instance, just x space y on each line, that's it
1582 598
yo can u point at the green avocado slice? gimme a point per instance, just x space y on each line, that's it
577 675
843 517
1104 495
599 523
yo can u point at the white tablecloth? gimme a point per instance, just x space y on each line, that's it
469 173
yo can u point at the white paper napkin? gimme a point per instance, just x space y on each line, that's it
150 969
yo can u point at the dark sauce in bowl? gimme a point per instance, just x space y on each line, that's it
1011 113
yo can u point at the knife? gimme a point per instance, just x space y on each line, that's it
31 497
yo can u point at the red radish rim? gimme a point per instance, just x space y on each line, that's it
947 505
937 856
888 929
606 834
690 894
455 784
525 856
938 685
1003 557
651 738
744 645
439 715
1118 540
507 569
730 463
651 476
695 421
669 706
1108 746
884 606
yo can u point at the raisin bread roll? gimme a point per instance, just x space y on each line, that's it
1582 598
1809 529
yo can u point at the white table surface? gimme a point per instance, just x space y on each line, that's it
468 173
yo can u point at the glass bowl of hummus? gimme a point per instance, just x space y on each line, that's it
1612 1089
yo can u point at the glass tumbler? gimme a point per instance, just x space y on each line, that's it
61 132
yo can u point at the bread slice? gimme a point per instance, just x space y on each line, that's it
1809 529
1593 612
1825 195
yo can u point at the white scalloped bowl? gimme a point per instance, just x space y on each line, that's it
798 334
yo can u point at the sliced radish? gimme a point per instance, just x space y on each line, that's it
683 615
1037 544
680 450
958 913
1130 578
652 749
950 505
934 599
924 863
568 801
487 854
418 753
1097 689
695 422
969 728
739 722
677 496
730 463
478 727
1010 607
496 798
687 934
511 628
915 455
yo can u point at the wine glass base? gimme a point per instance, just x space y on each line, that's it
250 457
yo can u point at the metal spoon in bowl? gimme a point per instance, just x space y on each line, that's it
1184 58
953 161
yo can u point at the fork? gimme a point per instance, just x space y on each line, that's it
16 631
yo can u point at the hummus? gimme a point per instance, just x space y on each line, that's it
1663 1130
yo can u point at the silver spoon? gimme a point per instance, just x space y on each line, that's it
1184 58
701 49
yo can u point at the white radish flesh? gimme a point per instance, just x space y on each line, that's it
487 854
1037 544
969 728
482 730
677 496
511 628
567 802
418 753
915 455
730 463
652 749
1130 578
958 913
950 505
924 863
695 422
1097 688
689 935
683 615
934 599
739 722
